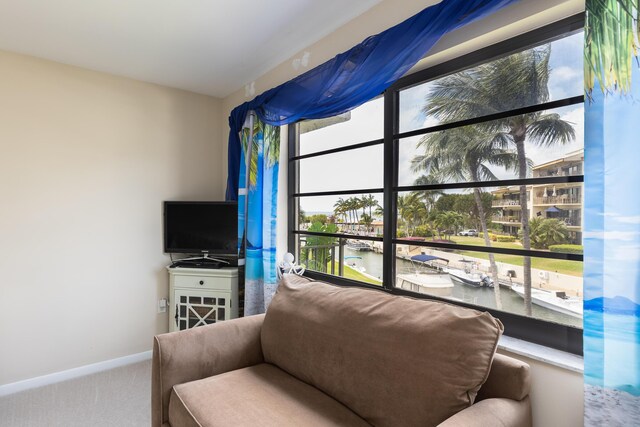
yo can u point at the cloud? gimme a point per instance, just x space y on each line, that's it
627 253
629 219
625 219
611 214
568 73
625 236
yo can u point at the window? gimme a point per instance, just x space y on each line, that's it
462 182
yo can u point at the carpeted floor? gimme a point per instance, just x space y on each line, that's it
118 397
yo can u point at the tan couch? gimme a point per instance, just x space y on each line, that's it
325 355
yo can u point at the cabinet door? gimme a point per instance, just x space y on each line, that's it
199 307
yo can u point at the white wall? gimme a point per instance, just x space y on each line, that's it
86 160
557 394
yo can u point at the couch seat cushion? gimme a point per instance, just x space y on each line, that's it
394 361
261 395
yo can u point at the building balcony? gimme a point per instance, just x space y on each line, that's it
505 203
513 220
572 222
541 173
558 200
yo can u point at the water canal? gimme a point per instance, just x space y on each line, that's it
511 302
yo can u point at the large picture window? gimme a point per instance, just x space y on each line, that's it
462 182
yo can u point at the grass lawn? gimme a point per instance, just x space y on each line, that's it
572 268
352 274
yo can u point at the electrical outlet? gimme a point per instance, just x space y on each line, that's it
162 305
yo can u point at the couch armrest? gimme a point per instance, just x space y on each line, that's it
197 353
492 413
509 378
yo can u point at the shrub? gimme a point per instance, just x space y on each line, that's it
423 231
545 232
500 237
567 249
321 218
401 233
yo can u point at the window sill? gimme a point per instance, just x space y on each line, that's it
543 354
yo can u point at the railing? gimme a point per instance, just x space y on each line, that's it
330 257
557 200
319 257
571 222
545 173
510 219
505 202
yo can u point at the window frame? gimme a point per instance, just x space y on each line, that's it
555 335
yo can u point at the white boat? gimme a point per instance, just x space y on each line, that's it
436 284
553 300
428 277
470 278
355 245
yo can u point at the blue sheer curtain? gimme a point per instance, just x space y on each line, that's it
355 76
612 216
339 85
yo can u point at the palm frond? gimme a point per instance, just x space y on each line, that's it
611 33
549 129
266 138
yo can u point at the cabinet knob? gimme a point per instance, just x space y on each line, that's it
202 282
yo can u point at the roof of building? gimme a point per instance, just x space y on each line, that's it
574 156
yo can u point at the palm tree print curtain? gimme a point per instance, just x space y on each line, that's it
257 197
612 215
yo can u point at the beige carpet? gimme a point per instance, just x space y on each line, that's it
118 397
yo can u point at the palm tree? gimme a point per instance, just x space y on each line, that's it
366 220
548 231
353 204
339 209
379 212
411 210
448 220
429 197
520 79
271 148
369 201
402 204
465 154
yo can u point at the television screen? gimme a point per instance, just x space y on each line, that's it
201 228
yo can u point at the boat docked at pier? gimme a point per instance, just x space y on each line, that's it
469 277
356 245
553 300
428 277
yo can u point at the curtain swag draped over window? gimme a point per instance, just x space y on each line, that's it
355 76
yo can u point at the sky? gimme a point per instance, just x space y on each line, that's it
363 168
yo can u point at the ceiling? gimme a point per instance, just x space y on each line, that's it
213 47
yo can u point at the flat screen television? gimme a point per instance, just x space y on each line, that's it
207 228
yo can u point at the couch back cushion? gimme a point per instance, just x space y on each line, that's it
395 361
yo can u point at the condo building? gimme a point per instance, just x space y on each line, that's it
561 201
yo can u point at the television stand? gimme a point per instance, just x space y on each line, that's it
201 296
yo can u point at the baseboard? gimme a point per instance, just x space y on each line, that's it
69 374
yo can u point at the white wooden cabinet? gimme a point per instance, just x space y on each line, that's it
201 296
